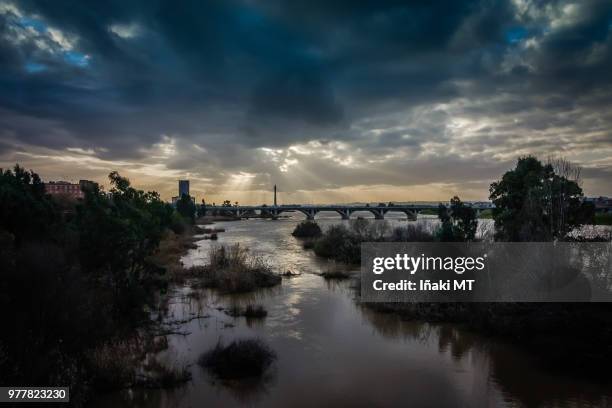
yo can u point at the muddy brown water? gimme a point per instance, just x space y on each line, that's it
333 352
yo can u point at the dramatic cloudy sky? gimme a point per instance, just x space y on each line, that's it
332 101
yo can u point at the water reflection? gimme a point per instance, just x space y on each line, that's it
333 351
247 392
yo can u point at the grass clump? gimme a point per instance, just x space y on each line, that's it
238 360
233 270
307 229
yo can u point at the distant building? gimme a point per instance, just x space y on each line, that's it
65 188
183 188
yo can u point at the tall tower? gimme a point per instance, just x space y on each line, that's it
275 195
183 186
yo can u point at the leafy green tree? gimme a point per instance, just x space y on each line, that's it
118 231
70 283
445 233
44 298
458 224
25 210
186 207
534 203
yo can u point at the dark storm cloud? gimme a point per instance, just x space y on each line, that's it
228 77
273 63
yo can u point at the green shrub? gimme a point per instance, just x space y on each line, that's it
340 244
307 229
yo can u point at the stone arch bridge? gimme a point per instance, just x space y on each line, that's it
310 211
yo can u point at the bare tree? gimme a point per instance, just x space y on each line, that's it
564 168
560 192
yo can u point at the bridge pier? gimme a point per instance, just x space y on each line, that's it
310 214
378 214
411 215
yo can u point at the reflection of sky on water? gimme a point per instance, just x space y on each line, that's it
332 351
272 240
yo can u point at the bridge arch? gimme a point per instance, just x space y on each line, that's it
310 211
341 213
358 213
291 211
378 215
410 215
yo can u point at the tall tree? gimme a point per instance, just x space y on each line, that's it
25 210
458 224
119 230
534 203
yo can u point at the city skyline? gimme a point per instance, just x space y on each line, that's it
371 102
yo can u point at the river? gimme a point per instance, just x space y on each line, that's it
333 352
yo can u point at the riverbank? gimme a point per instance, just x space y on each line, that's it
173 246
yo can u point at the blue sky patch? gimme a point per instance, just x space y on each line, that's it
515 34
35 24
76 58
34 67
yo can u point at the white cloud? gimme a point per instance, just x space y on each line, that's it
64 41
126 31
